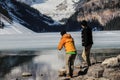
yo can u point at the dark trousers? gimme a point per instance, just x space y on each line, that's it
86 54
70 58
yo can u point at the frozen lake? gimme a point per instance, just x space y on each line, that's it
49 41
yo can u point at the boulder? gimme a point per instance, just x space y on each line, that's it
111 62
62 72
111 74
95 71
118 58
26 74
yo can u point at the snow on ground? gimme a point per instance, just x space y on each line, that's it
13 28
48 7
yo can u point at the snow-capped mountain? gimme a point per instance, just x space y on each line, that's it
29 17
57 9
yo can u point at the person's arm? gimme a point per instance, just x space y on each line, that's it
61 44
84 41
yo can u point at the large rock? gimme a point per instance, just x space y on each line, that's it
111 74
96 71
111 62
118 58
62 72
26 74
107 72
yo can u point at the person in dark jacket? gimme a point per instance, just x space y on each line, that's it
87 41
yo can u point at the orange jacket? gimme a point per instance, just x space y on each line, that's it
68 43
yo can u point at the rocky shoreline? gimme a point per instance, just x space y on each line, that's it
109 69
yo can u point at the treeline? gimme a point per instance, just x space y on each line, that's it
99 5
4 12
113 24
95 25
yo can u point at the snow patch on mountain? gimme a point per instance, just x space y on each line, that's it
14 28
56 9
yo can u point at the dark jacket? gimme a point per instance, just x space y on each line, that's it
87 38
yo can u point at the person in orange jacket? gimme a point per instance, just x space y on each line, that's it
68 43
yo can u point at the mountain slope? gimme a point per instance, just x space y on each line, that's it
12 27
29 17
102 11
